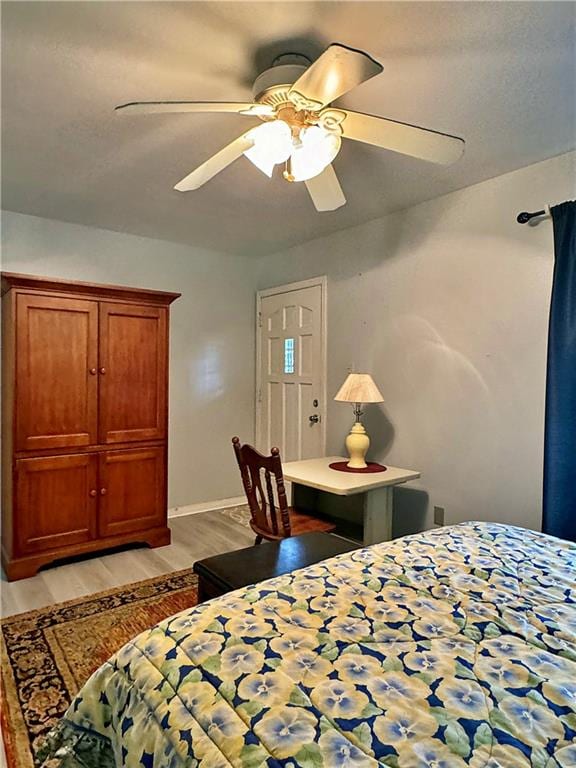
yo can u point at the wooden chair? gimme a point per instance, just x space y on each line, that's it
271 517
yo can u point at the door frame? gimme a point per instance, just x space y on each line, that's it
322 281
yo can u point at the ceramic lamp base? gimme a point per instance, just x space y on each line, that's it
357 444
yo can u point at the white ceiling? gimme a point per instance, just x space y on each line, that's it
501 75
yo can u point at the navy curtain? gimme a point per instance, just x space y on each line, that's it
560 431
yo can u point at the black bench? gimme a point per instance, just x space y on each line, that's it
232 570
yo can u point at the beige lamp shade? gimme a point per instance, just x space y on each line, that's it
359 388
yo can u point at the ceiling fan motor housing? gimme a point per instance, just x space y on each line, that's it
272 86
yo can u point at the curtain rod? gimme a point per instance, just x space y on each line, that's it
526 216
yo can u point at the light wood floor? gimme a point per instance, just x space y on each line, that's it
193 538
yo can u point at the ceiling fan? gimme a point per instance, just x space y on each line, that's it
301 130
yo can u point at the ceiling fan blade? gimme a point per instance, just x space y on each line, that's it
402 137
156 107
325 190
336 71
214 165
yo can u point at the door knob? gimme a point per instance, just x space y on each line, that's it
93 371
103 491
314 419
102 371
93 492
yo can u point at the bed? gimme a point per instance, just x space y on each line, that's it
451 648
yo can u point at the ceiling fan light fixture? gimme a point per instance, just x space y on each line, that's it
313 152
272 145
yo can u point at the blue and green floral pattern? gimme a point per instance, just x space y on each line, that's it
452 648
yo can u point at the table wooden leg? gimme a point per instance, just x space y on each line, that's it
378 515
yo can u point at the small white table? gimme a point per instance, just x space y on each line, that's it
376 489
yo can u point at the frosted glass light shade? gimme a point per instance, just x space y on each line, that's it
315 149
309 152
359 388
272 145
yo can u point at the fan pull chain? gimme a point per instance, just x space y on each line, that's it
287 173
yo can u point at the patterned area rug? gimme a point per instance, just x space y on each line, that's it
48 654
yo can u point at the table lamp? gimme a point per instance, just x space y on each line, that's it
358 388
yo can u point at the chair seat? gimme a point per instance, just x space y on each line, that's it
300 523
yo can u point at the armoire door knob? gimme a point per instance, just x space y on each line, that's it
93 371
102 371
103 491
93 492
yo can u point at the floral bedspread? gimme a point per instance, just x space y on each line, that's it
452 648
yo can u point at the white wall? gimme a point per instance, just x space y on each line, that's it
446 304
212 333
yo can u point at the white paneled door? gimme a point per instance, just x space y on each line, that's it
291 370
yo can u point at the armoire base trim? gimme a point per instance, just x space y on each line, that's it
23 567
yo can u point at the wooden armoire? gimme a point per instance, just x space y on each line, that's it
84 419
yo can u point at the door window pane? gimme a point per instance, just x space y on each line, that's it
288 355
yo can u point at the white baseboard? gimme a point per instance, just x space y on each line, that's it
206 506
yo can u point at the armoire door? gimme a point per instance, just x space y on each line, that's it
132 490
56 499
56 372
133 361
